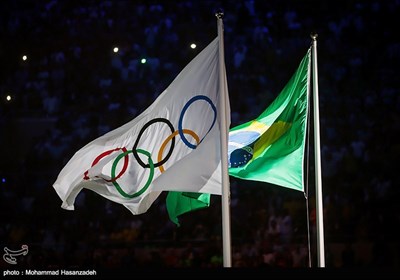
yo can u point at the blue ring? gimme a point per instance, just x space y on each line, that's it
193 99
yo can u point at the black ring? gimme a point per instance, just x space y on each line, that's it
135 154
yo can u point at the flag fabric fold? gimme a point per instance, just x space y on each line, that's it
173 145
179 203
271 147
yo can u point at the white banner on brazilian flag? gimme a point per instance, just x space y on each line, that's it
177 137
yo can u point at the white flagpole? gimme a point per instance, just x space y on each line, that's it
225 198
317 148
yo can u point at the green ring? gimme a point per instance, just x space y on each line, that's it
151 175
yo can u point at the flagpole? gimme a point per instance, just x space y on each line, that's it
318 177
225 197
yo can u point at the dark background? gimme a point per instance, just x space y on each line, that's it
73 88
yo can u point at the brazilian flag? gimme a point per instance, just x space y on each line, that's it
271 147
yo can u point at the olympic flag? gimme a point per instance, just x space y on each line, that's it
173 145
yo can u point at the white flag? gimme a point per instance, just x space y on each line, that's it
173 145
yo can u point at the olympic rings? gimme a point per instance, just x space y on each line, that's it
161 161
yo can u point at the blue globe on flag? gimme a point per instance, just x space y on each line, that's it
240 147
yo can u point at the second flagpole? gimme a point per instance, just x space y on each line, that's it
317 152
225 197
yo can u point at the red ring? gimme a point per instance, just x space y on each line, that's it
106 153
